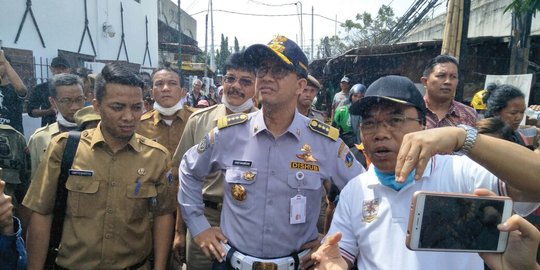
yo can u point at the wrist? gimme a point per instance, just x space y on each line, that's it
466 143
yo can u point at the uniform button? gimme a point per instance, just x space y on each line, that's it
113 158
273 172
79 186
109 210
113 183
108 236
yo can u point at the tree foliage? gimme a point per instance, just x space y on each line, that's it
222 53
367 30
364 30
523 6
236 45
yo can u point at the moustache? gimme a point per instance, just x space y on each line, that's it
234 91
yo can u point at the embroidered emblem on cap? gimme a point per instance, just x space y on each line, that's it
306 155
141 171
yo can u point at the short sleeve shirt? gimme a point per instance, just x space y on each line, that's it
110 198
262 174
373 218
458 113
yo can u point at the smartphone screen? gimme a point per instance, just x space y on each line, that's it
460 223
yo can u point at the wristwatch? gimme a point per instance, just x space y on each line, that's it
469 142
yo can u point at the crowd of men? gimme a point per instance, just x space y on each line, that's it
248 182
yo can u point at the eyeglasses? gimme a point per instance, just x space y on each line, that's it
244 82
396 122
70 101
277 71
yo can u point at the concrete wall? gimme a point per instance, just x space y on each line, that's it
61 23
487 18
168 13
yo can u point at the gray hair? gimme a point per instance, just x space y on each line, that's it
63 79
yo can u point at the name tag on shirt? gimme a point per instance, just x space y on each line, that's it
298 209
81 172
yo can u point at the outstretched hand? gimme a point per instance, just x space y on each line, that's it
328 256
418 147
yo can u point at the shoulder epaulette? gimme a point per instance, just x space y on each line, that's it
148 142
324 129
231 120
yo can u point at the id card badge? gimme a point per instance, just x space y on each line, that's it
298 209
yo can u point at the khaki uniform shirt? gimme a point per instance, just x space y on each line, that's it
38 143
154 128
199 124
110 197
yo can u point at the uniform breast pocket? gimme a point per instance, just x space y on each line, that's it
139 199
82 193
304 180
239 181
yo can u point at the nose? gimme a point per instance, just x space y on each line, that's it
128 115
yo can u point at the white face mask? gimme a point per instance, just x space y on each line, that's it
247 105
63 122
168 111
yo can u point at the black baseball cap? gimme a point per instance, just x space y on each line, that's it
59 62
285 49
393 88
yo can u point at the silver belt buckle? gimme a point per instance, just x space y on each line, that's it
264 266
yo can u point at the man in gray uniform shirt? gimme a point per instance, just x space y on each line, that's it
274 161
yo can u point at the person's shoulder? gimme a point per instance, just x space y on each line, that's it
323 129
150 143
10 129
232 120
148 115
202 111
47 129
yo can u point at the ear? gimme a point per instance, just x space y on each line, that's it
96 106
301 85
53 103
423 80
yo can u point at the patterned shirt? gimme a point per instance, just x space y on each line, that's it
458 113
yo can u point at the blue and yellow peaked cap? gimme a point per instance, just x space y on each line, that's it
285 49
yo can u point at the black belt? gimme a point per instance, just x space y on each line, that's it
133 267
213 205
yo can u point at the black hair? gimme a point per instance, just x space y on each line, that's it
440 59
63 79
238 61
168 69
495 126
497 97
115 73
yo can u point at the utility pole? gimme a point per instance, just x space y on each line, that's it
335 26
212 54
312 31
301 26
179 60
206 46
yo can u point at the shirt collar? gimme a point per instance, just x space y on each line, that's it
98 139
294 128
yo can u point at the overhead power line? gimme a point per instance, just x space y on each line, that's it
266 15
